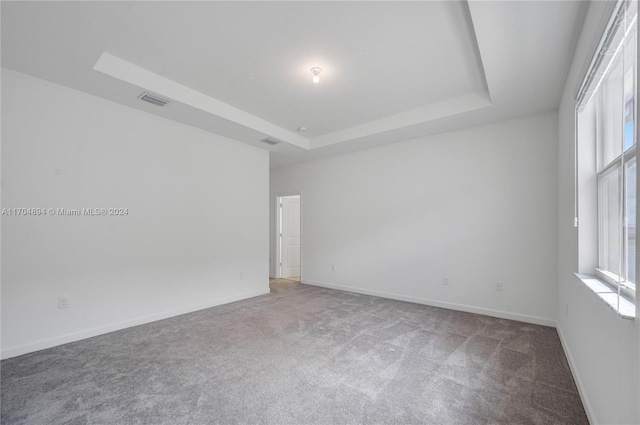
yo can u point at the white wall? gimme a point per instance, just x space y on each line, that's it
602 348
477 206
198 212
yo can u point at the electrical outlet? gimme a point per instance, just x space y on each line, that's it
333 267
498 286
445 281
63 302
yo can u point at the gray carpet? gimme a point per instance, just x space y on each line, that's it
301 356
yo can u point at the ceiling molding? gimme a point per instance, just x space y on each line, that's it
422 115
392 71
147 80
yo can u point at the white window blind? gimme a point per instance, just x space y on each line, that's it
607 101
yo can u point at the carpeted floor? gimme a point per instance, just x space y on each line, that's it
305 355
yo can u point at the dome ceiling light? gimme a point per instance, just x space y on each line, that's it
316 74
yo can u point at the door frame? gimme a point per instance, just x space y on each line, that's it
278 241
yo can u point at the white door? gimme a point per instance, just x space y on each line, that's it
290 242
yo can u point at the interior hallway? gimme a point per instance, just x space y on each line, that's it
284 283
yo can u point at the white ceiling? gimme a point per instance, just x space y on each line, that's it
392 71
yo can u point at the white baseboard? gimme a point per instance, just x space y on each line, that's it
452 306
576 377
100 330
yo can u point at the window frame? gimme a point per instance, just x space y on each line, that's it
593 89
628 287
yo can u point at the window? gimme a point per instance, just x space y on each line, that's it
606 116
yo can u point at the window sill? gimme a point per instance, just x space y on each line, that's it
621 305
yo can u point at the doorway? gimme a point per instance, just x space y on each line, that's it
289 238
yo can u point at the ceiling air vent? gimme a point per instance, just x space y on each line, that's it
270 141
153 98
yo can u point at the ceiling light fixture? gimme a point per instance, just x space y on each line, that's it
316 74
